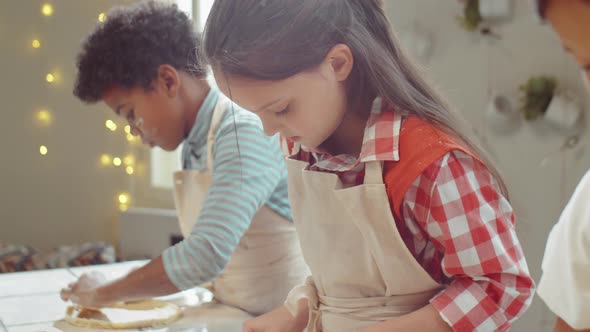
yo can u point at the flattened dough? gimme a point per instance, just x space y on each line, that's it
132 315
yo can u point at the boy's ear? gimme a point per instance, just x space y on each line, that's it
169 79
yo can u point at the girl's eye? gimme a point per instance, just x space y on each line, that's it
130 116
283 112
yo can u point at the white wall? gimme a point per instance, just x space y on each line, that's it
460 67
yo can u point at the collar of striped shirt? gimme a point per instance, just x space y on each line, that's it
380 142
197 137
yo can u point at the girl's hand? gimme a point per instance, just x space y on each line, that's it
280 320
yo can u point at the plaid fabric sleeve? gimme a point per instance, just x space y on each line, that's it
457 205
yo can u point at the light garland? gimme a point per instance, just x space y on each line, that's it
44 117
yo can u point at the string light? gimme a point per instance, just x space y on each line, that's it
124 198
36 43
47 9
129 160
105 159
50 78
117 161
129 170
102 17
43 150
111 125
43 117
131 138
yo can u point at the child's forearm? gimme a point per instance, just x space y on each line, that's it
426 319
148 281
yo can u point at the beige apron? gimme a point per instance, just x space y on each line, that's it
267 263
362 272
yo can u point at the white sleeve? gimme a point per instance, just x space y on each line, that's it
565 283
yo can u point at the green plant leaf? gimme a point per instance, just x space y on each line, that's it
471 16
536 95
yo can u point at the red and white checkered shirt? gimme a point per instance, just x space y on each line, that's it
456 223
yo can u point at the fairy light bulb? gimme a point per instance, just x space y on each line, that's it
129 160
123 198
129 170
117 161
105 159
47 9
111 125
36 43
43 117
131 138
102 17
43 150
50 78
127 129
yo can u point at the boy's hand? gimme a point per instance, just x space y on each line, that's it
85 291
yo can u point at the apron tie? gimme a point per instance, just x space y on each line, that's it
364 309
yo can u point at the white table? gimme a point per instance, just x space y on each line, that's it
29 302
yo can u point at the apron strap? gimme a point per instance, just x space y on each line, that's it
216 119
374 172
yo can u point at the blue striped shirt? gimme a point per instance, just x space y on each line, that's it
248 172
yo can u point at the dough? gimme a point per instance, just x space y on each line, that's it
131 315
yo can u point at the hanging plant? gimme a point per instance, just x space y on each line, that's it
479 15
471 18
537 94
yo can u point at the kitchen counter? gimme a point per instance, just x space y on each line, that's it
30 302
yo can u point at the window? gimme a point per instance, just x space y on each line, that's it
186 6
204 6
163 163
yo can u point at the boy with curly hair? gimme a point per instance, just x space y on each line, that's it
231 196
